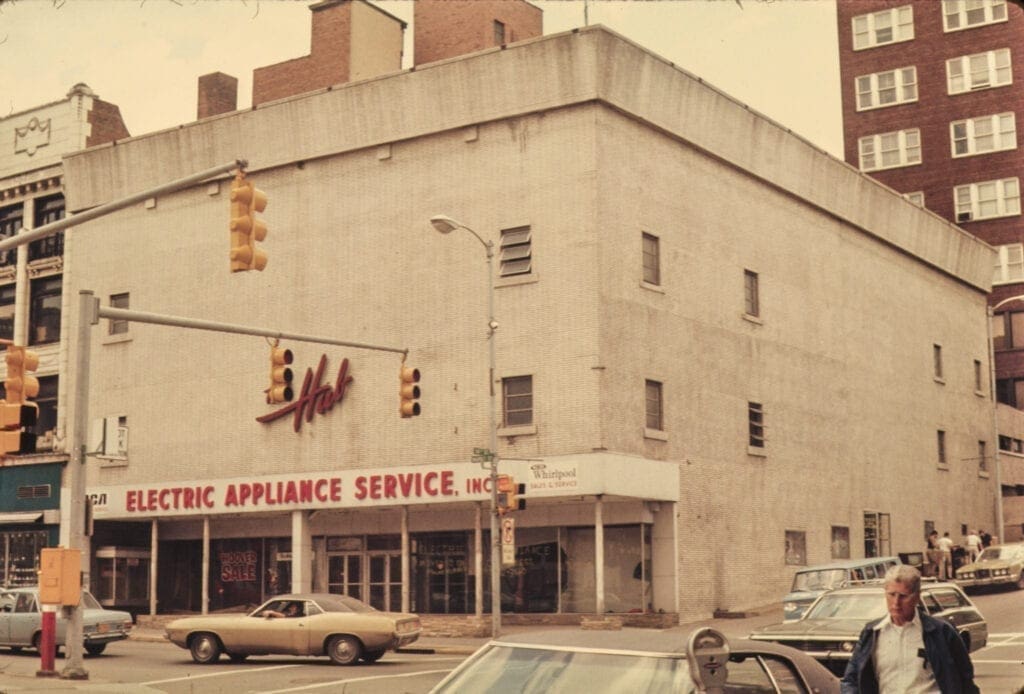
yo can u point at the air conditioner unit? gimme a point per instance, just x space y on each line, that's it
963 217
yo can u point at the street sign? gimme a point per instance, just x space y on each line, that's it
508 542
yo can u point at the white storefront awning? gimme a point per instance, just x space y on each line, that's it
20 517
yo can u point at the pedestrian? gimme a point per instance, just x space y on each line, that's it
986 539
946 563
907 650
933 555
973 543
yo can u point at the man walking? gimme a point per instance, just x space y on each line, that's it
908 652
946 567
973 545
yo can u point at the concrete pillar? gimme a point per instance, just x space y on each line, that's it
665 557
478 560
406 561
154 537
205 608
302 553
599 555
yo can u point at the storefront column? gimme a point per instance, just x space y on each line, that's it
405 559
665 557
205 606
302 553
599 554
478 560
154 544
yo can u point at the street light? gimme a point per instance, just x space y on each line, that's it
446 225
995 413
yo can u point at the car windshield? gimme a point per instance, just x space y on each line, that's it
504 669
89 602
823 579
1008 553
864 606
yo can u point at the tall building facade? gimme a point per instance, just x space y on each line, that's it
695 337
932 107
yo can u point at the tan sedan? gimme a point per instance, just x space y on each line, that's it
338 626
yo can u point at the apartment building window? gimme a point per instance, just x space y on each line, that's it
887 88
47 211
1008 330
937 361
978 71
840 542
515 251
118 327
964 14
755 421
44 310
940 446
653 405
796 547
880 28
517 396
11 219
917 197
987 200
751 294
1010 391
7 293
984 134
982 456
499 33
651 259
890 150
1009 265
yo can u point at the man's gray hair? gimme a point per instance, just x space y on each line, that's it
906 575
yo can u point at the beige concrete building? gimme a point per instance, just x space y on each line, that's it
722 354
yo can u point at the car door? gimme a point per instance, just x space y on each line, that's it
24 620
951 605
7 601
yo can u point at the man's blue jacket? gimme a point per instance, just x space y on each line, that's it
945 652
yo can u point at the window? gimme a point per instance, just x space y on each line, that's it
977 376
887 88
937 361
751 294
890 150
1008 330
796 548
11 219
499 33
118 327
1009 265
916 197
840 542
985 134
978 71
47 211
7 293
515 251
653 405
755 417
877 534
940 444
964 14
880 28
651 260
982 456
46 424
517 395
44 311
987 199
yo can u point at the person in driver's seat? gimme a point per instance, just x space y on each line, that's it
292 609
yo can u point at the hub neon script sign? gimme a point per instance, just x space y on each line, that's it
315 396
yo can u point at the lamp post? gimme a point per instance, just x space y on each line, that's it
995 413
446 225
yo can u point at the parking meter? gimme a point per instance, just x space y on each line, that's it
708 654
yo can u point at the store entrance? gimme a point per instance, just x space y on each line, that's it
345 574
385 581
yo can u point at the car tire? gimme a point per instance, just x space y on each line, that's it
344 650
95 648
205 648
372 656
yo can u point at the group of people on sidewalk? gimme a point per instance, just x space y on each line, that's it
944 557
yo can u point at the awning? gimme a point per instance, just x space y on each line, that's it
23 517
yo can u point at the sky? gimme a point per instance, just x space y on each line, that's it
779 57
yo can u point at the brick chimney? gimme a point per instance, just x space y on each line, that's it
218 93
350 40
449 28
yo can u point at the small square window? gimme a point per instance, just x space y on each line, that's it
118 326
517 395
516 251
796 548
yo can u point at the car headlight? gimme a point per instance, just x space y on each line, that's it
847 646
790 606
1001 572
966 574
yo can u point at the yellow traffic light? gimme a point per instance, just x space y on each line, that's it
280 389
17 414
246 228
409 392
20 384
508 492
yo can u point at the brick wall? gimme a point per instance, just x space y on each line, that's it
449 28
107 124
218 93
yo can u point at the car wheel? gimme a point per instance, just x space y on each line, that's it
372 656
344 650
237 657
95 648
15 650
205 648
37 639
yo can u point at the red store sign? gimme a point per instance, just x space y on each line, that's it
315 397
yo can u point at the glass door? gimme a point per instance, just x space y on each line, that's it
385 581
345 574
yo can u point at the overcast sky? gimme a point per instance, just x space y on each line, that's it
145 56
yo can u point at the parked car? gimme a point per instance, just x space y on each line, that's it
338 626
569 661
811 582
21 622
829 629
1000 565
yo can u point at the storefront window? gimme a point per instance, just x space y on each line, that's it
627 576
442 583
20 554
235 570
122 578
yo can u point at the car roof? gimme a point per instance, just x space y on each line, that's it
875 587
851 564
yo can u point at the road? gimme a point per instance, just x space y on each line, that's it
138 667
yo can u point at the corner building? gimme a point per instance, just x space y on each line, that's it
712 366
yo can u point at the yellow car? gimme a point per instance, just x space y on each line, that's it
997 565
338 626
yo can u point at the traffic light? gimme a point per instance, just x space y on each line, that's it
16 413
280 389
508 492
246 228
409 392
